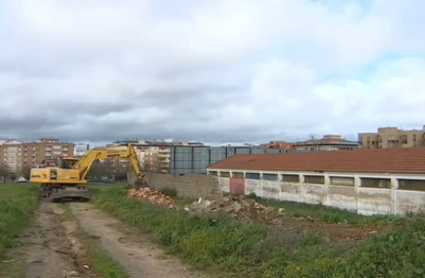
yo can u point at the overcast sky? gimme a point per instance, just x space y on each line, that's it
211 70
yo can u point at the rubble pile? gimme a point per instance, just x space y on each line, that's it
241 208
150 195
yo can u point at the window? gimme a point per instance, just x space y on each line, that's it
237 175
375 183
270 177
225 174
254 176
213 173
345 181
314 179
291 178
416 185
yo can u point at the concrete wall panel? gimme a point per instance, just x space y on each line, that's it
313 193
253 186
224 185
290 192
342 197
374 201
409 201
270 189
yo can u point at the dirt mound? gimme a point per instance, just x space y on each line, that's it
150 195
237 207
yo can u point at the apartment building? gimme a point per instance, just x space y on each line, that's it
327 143
81 148
392 137
16 156
154 156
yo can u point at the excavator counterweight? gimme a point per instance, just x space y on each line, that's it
64 178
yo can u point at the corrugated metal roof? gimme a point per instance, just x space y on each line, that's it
411 160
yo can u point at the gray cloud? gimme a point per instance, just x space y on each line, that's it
216 71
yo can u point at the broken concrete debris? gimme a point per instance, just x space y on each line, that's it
152 196
240 207
71 274
237 207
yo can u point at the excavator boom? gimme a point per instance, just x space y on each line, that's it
65 178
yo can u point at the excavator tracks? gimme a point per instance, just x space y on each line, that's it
66 195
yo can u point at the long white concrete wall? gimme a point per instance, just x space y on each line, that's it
357 197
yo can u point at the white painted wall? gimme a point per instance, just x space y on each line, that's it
224 184
366 201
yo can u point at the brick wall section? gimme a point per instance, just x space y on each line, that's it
192 186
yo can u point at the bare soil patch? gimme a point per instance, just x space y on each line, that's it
138 256
46 248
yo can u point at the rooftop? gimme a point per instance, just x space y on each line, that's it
408 161
326 140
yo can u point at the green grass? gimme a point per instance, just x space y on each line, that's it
17 202
100 261
222 245
327 214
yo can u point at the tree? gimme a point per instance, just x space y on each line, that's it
26 172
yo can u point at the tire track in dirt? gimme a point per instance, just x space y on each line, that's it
45 250
138 256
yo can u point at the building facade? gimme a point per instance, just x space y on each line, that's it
392 137
277 145
154 156
327 143
81 148
365 181
17 156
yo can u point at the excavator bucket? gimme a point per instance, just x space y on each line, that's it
139 183
70 194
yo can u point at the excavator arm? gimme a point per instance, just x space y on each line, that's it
84 164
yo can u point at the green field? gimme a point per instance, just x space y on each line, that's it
230 248
17 202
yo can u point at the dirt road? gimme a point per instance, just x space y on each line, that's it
46 248
137 255
51 249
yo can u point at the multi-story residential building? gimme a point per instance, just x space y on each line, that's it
154 156
327 143
81 148
16 156
392 137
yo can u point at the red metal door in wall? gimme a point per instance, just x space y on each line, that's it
237 186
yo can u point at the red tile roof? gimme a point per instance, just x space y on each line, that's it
409 160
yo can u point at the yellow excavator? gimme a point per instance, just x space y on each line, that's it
64 178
